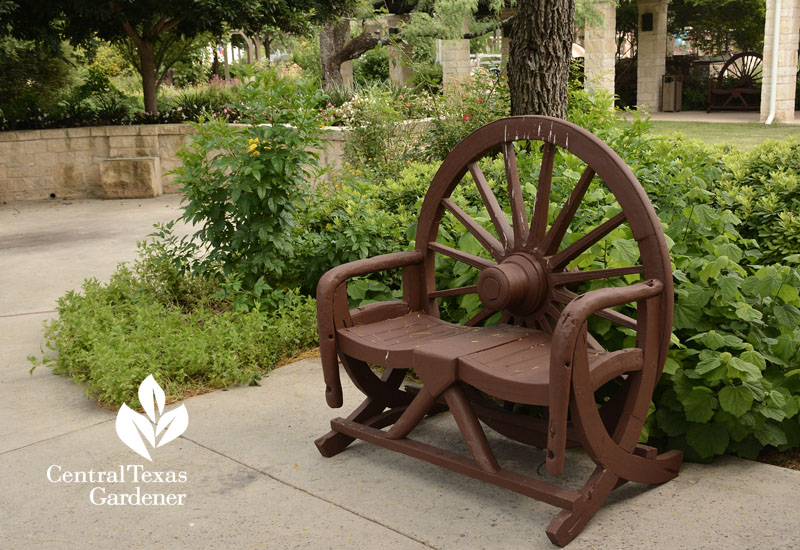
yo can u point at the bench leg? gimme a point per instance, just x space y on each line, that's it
382 393
569 523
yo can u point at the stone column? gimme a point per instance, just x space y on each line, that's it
455 58
652 53
787 60
601 49
455 61
399 54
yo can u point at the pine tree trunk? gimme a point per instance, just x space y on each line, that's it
539 56
332 39
147 69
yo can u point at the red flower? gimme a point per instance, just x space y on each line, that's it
480 100
467 117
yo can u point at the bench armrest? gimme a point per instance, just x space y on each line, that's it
328 305
571 324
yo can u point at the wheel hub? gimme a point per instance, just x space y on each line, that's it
518 284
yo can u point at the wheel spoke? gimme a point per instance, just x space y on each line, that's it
557 231
472 289
486 239
542 204
463 257
480 317
574 250
544 325
565 296
492 206
567 277
505 318
518 217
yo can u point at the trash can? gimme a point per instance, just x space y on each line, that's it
671 92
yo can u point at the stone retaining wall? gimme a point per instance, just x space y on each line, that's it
104 161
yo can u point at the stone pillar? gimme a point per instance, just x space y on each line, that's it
455 58
787 60
399 54
455 61
601 49
652 53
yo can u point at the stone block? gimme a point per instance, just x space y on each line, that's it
47 159
91 174
117 142
99 131
131 178
167 129
79 132
148 130
83 158
69 181
33 147
80 144
122 130
26 135
101 147
55 133
57 145
67 157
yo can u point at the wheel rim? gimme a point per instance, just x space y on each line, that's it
745 68
524 273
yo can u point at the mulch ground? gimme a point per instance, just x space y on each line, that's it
787 459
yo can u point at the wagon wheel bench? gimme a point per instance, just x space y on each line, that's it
738 85
539 352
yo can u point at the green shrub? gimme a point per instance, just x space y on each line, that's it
242 184
372 66
33 82
763 188
152 319
384 128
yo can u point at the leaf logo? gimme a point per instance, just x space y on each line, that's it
134 428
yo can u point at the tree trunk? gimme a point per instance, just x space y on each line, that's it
267 44
147 69
225 58
540 52
332 39
215 63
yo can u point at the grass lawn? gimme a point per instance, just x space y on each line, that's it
745 135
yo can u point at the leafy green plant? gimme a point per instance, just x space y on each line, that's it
372 66
151 318
243 184
762 187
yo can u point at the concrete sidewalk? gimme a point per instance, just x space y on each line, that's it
253 476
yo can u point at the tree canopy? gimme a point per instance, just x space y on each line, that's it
155 26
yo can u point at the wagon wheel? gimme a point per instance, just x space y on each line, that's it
745 68
525 271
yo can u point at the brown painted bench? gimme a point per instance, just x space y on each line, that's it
529 344
737 87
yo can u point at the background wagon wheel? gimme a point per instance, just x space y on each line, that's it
526 269
744 68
